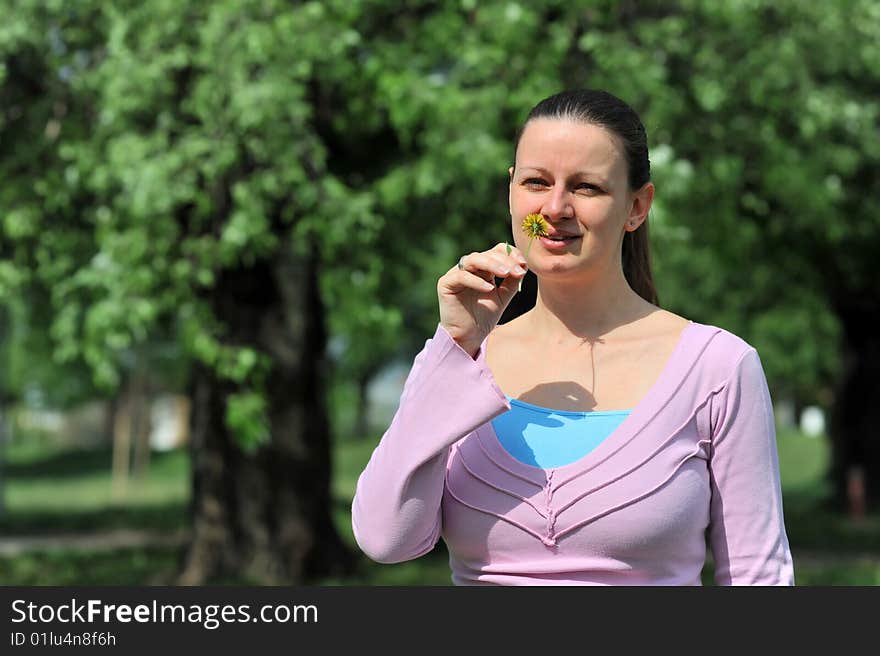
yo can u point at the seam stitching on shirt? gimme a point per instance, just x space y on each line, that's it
724 385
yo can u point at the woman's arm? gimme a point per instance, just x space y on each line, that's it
747 531
395 513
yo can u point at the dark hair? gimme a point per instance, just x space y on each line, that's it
611 113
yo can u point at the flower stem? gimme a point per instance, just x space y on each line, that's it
526 256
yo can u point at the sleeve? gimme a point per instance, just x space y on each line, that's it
396 513
747 530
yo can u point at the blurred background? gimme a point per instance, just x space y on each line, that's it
221 227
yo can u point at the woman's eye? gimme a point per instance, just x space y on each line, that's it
587 186
536 181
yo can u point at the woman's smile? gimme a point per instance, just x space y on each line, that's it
556 243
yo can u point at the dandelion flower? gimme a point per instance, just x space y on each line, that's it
534 225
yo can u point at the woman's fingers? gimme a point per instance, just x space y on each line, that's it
514 256
458 279
485 265
479 271
494 262
466 315
474 281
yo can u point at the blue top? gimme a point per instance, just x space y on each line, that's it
547 438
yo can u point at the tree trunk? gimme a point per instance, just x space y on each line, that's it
855 417
265 517
141 429
122 442
362 418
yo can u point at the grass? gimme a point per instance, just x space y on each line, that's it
69 490
52 491
131 567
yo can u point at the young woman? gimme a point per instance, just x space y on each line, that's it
595 439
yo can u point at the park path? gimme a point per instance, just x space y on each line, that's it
125 538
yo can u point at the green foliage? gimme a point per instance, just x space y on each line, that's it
246 414
150 146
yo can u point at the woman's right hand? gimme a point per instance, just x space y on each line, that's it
470 304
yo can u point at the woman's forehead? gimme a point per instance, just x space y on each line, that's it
564 144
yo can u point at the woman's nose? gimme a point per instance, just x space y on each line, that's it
557 204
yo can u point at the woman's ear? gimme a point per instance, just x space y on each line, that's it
510 172
641 204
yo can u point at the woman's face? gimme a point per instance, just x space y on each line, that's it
575 175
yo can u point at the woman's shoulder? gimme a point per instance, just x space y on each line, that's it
722 342
728 355
668 323
716 356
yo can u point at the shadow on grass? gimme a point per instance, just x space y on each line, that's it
146 566
163 517
133 567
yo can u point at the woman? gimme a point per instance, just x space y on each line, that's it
595 439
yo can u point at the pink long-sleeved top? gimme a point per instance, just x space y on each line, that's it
694 462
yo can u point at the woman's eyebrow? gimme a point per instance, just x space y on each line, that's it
576 174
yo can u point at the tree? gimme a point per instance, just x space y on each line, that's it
775 122
154 170
240 176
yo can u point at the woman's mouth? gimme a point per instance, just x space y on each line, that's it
558 243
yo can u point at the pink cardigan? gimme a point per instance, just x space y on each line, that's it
694 462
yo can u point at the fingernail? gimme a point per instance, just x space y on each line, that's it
504 271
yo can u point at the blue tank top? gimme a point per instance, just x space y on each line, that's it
547 438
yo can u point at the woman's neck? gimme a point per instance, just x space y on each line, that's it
567 313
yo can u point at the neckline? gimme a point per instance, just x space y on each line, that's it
657 395
576 413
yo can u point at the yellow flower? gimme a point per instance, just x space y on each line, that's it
535 225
